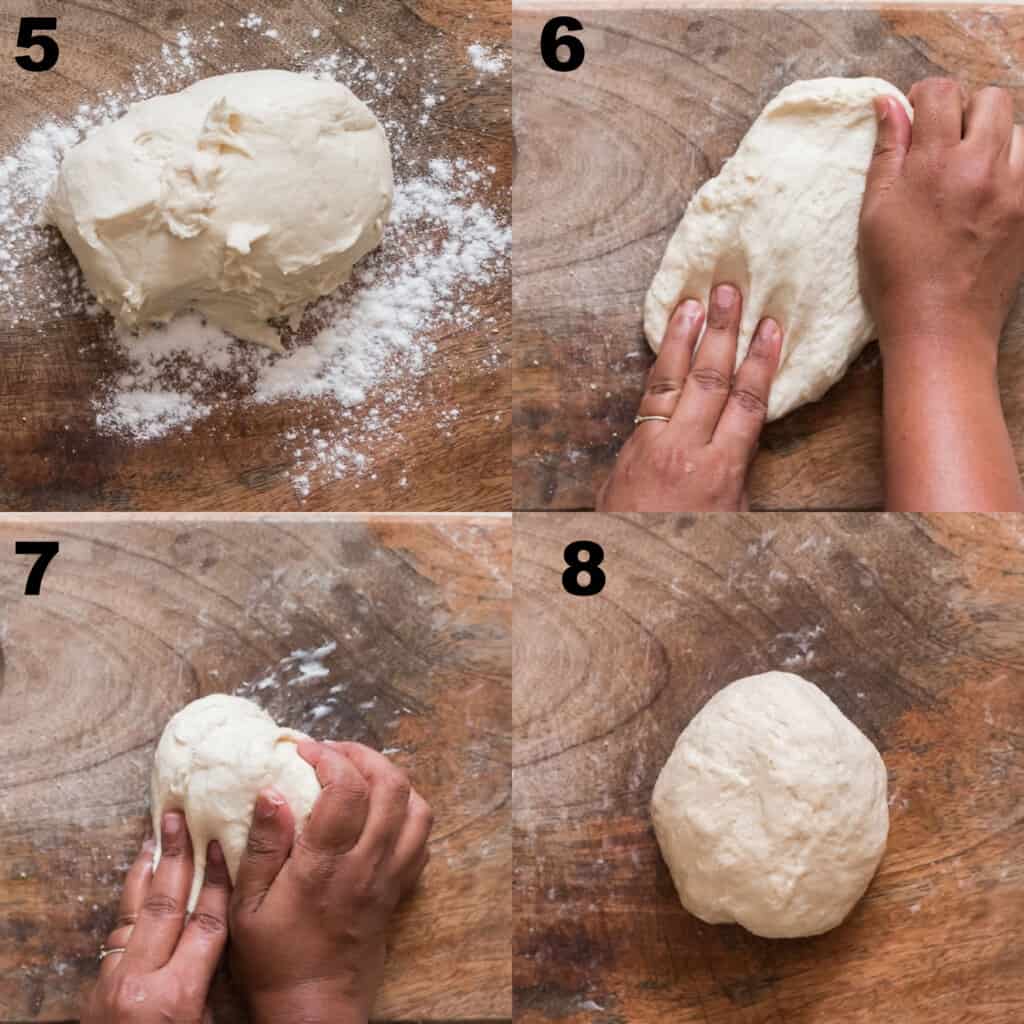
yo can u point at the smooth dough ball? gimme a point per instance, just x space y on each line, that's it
771 811
780 223
214 757
243 197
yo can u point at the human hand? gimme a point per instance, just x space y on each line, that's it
942 221
169 962
310 918
698 460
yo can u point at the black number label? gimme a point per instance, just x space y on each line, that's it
577 566
551 41
27 38
45 549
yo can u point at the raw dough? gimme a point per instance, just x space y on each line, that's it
214 757
772 810
780 222
244 196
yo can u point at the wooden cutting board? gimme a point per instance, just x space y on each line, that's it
912 626
609 155
136 619
241 458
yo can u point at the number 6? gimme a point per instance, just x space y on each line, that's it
550 41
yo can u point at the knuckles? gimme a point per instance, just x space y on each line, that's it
711 379
192 995
981 181
396 787
349 791
421 812
260 844
123 998
749 401
662 386
724 481
720 477
934 86
209 924
161 905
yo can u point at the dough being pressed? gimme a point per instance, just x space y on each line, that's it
780 223
214 757
244 197
771 810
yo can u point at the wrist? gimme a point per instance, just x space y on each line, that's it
971 347
309 1003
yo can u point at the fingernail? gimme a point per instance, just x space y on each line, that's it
689 310
769 332
149 846
882 108
723 298
267 805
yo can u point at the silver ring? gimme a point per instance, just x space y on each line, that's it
104 952
645 419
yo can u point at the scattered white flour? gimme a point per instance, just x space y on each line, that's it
487 59
299 667
361 359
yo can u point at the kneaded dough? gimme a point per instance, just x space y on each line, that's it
780 222
213 758
772 809
244 197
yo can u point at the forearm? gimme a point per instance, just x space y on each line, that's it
946 443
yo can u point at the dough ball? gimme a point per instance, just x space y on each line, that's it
772 810
214 757
780 223
243 197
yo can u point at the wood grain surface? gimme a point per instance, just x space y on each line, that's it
136 619
609 155
239 458
911 625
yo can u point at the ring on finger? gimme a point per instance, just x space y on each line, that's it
646 419
104 952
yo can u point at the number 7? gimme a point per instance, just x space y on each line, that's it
45 549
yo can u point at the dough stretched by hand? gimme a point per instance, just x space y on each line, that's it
780 223
213 758
244 197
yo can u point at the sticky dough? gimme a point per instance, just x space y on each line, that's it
244 197
213 758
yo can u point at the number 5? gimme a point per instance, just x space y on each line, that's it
27 39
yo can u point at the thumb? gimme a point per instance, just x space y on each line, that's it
269 844
891 144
